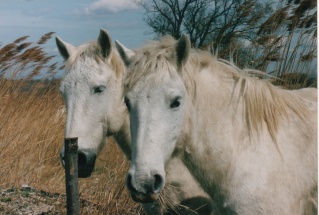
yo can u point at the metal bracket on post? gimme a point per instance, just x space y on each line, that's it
71 175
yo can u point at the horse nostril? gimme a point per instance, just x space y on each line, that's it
151 185
158 183
86 162
82 160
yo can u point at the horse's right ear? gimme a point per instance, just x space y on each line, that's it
125 53
104 42
182 50
64 48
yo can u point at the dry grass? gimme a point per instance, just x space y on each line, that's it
31 135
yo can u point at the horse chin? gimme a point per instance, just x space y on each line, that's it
144 198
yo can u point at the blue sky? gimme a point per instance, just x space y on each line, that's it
75 21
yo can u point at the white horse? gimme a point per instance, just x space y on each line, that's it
92 90
252 146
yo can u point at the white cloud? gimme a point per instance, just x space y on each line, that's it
111 5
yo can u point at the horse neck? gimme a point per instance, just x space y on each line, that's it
210 137
123 137
213 103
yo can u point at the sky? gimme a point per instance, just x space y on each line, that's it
75 21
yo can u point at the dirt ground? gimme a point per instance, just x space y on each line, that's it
29 201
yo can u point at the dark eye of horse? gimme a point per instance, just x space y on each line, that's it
98 89
127 103
175 103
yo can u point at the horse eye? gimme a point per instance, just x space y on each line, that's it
98 89
175 104
127 103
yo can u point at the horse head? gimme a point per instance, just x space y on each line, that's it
92 89
155 96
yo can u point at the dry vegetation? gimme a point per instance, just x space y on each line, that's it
31 135
285 45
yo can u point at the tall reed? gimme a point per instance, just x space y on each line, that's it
285 45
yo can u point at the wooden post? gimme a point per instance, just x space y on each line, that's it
71 175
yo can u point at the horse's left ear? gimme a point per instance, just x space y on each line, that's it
125 53
64 48
104 43
182 50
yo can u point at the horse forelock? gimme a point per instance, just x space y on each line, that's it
264 102
151 63
91 50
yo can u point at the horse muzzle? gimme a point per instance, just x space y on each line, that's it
86 162
150 189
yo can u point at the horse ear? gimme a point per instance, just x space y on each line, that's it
182 49
104 43
125 53
64 48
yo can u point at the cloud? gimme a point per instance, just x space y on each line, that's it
111 6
